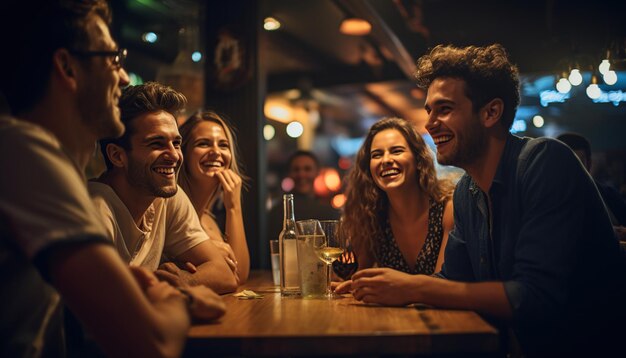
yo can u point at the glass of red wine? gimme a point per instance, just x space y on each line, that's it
346 265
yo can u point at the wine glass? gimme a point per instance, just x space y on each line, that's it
346 265
329 249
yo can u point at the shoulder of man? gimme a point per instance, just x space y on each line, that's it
103 196
544 149
180 211
27 135
179 199
462 187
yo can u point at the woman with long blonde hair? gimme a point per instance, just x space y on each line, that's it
211 172
398 213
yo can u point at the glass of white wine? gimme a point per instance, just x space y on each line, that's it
329 248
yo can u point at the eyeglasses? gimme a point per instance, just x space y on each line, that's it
118 56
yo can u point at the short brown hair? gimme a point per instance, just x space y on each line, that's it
487 72
137 100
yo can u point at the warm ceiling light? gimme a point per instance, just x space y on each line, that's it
538 121
271 24
268 131
563 86
295 129
610 77
593 91
575 78
278 110
355 27
604 67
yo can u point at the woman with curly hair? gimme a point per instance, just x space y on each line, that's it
397 214
211 173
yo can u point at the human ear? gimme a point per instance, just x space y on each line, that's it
117 155
63 66
492 112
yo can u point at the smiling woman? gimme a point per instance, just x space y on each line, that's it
397 212
212 179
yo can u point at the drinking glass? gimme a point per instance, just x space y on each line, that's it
330 248
313 273
275 256
346 265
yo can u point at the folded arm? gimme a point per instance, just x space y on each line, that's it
212 269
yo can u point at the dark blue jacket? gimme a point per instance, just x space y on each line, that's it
551 244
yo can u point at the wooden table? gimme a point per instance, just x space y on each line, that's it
275 326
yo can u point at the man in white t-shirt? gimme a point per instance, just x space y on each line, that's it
62 81
148 217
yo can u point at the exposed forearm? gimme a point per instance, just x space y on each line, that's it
236 234
214 274
484 297
92 275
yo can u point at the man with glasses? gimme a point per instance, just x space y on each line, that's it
62 79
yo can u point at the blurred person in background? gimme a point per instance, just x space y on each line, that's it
303 166
62 83
613 201
212 178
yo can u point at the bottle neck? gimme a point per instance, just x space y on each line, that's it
289 220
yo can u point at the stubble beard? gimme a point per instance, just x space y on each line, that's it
140 178
470 146
102 120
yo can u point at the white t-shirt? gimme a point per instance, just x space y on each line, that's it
169 226
43 203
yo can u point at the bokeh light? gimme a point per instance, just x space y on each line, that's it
338 201
287 185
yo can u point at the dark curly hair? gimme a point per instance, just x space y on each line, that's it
137 100
487 73
367 205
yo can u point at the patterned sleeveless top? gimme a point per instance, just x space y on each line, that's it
389 254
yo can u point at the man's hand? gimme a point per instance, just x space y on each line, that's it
172 273
620 232
144 277
205 303
385 286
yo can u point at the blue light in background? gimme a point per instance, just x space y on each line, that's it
150 37
552 96
196 56
346 147
519 125
614 97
